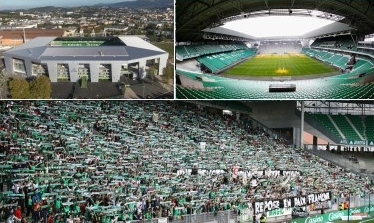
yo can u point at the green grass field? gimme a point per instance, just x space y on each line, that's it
280 65
167 46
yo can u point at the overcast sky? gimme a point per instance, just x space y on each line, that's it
270 26
24 4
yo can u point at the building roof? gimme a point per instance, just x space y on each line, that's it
39 50
135 41
194 16
30 33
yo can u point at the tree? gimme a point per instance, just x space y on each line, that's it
40 88
168 73
3 80
19 88
152 71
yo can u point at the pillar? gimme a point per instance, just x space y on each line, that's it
141 69
339 149
302 125
73 71
52 71
9 64
296 136
315 142
28 68
94 71
116 71
162 63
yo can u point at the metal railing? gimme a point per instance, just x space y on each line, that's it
217 217
246 217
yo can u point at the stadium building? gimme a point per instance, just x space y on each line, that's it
97 58
226 50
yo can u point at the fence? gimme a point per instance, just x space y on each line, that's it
218 217
280 215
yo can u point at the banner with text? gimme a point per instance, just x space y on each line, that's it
301 201
279 212
248 173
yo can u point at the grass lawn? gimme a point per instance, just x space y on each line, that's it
280 65
84 82
167 46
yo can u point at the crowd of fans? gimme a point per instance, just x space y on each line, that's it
107 161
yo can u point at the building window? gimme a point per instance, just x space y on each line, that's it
39 69
105 72
84 71
63 71
19 66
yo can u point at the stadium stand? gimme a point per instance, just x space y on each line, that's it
363 65
338 42
105 161
191 51
279 47
217 62
339 86
190 64
336 51
366 47
350 127
214 58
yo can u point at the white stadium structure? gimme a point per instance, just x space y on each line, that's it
96 58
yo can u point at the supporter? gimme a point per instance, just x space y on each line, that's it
345 205
18 214
263 218
254 219
101 160
341 206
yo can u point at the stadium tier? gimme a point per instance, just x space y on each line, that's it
339 86
347 127
337 42
190 51
347 83
130 160
279 47
220 61
366 47
363 64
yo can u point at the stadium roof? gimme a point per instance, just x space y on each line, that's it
39 49
193 16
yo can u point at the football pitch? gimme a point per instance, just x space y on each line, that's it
280 65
